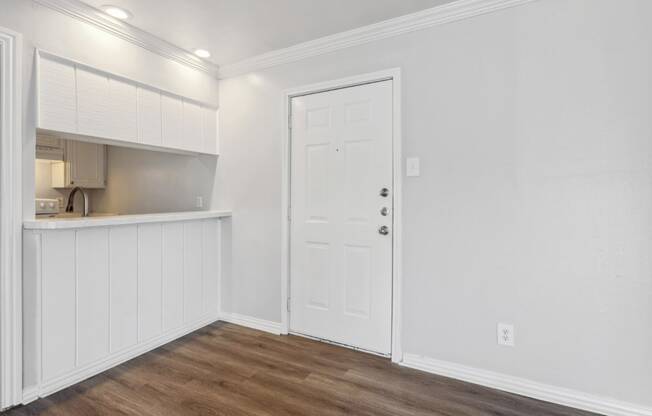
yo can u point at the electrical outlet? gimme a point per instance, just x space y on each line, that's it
199 202
505 334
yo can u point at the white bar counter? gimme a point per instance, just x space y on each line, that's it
58 223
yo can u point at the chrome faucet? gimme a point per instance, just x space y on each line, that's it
71 201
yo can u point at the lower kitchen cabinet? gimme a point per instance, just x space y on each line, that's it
97 296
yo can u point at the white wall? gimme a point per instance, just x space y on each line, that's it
535 201
142 181
66 36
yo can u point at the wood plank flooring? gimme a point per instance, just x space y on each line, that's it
225 369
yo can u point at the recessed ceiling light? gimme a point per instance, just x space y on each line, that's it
202 53
117 12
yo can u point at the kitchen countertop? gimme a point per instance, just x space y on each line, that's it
54 223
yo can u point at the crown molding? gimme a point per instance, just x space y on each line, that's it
88 14
450 12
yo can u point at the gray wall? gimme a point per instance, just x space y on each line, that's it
535 201
142 181
61 34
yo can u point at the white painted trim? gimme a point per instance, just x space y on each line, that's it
525 387
251 322
87 371
90 15
11 142
397 277
451 12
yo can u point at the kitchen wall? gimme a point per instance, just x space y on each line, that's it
142 181
60 34
534 204
43 183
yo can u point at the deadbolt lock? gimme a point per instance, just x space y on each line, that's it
384 192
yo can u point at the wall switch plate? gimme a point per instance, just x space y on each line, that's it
505 334
412 166
199 202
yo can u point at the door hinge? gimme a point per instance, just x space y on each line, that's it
290 121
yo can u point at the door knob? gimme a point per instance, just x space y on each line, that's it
384 211
384 230
384 192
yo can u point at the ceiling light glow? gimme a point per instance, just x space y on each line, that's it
202 53
116 12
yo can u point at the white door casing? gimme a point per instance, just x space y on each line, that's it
340 263
10 218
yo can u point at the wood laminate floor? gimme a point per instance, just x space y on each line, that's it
225 369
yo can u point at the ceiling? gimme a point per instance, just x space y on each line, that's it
233 30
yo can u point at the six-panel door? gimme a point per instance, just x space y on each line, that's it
341 257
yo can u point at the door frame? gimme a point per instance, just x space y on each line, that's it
394 75
11 142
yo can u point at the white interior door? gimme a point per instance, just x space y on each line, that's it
341 196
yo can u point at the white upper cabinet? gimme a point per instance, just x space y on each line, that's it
122 106
82 101
192 127
57 101
149 117
172 122
92 108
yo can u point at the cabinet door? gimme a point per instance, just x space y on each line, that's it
149 117
192 127
57 104
122 116
92 109
209 132
86 165
172 121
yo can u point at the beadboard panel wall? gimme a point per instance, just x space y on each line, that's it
107 294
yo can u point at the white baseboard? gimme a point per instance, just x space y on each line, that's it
524 387
82 373
250 322
30 394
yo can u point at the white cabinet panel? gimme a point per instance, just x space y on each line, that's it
192 259
211 256
192 127
149 280
92 108
122 115
211 144
123 302
149 117
94 296
172 275
57 102
83 165
77 99
58 303
92 289
172 121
